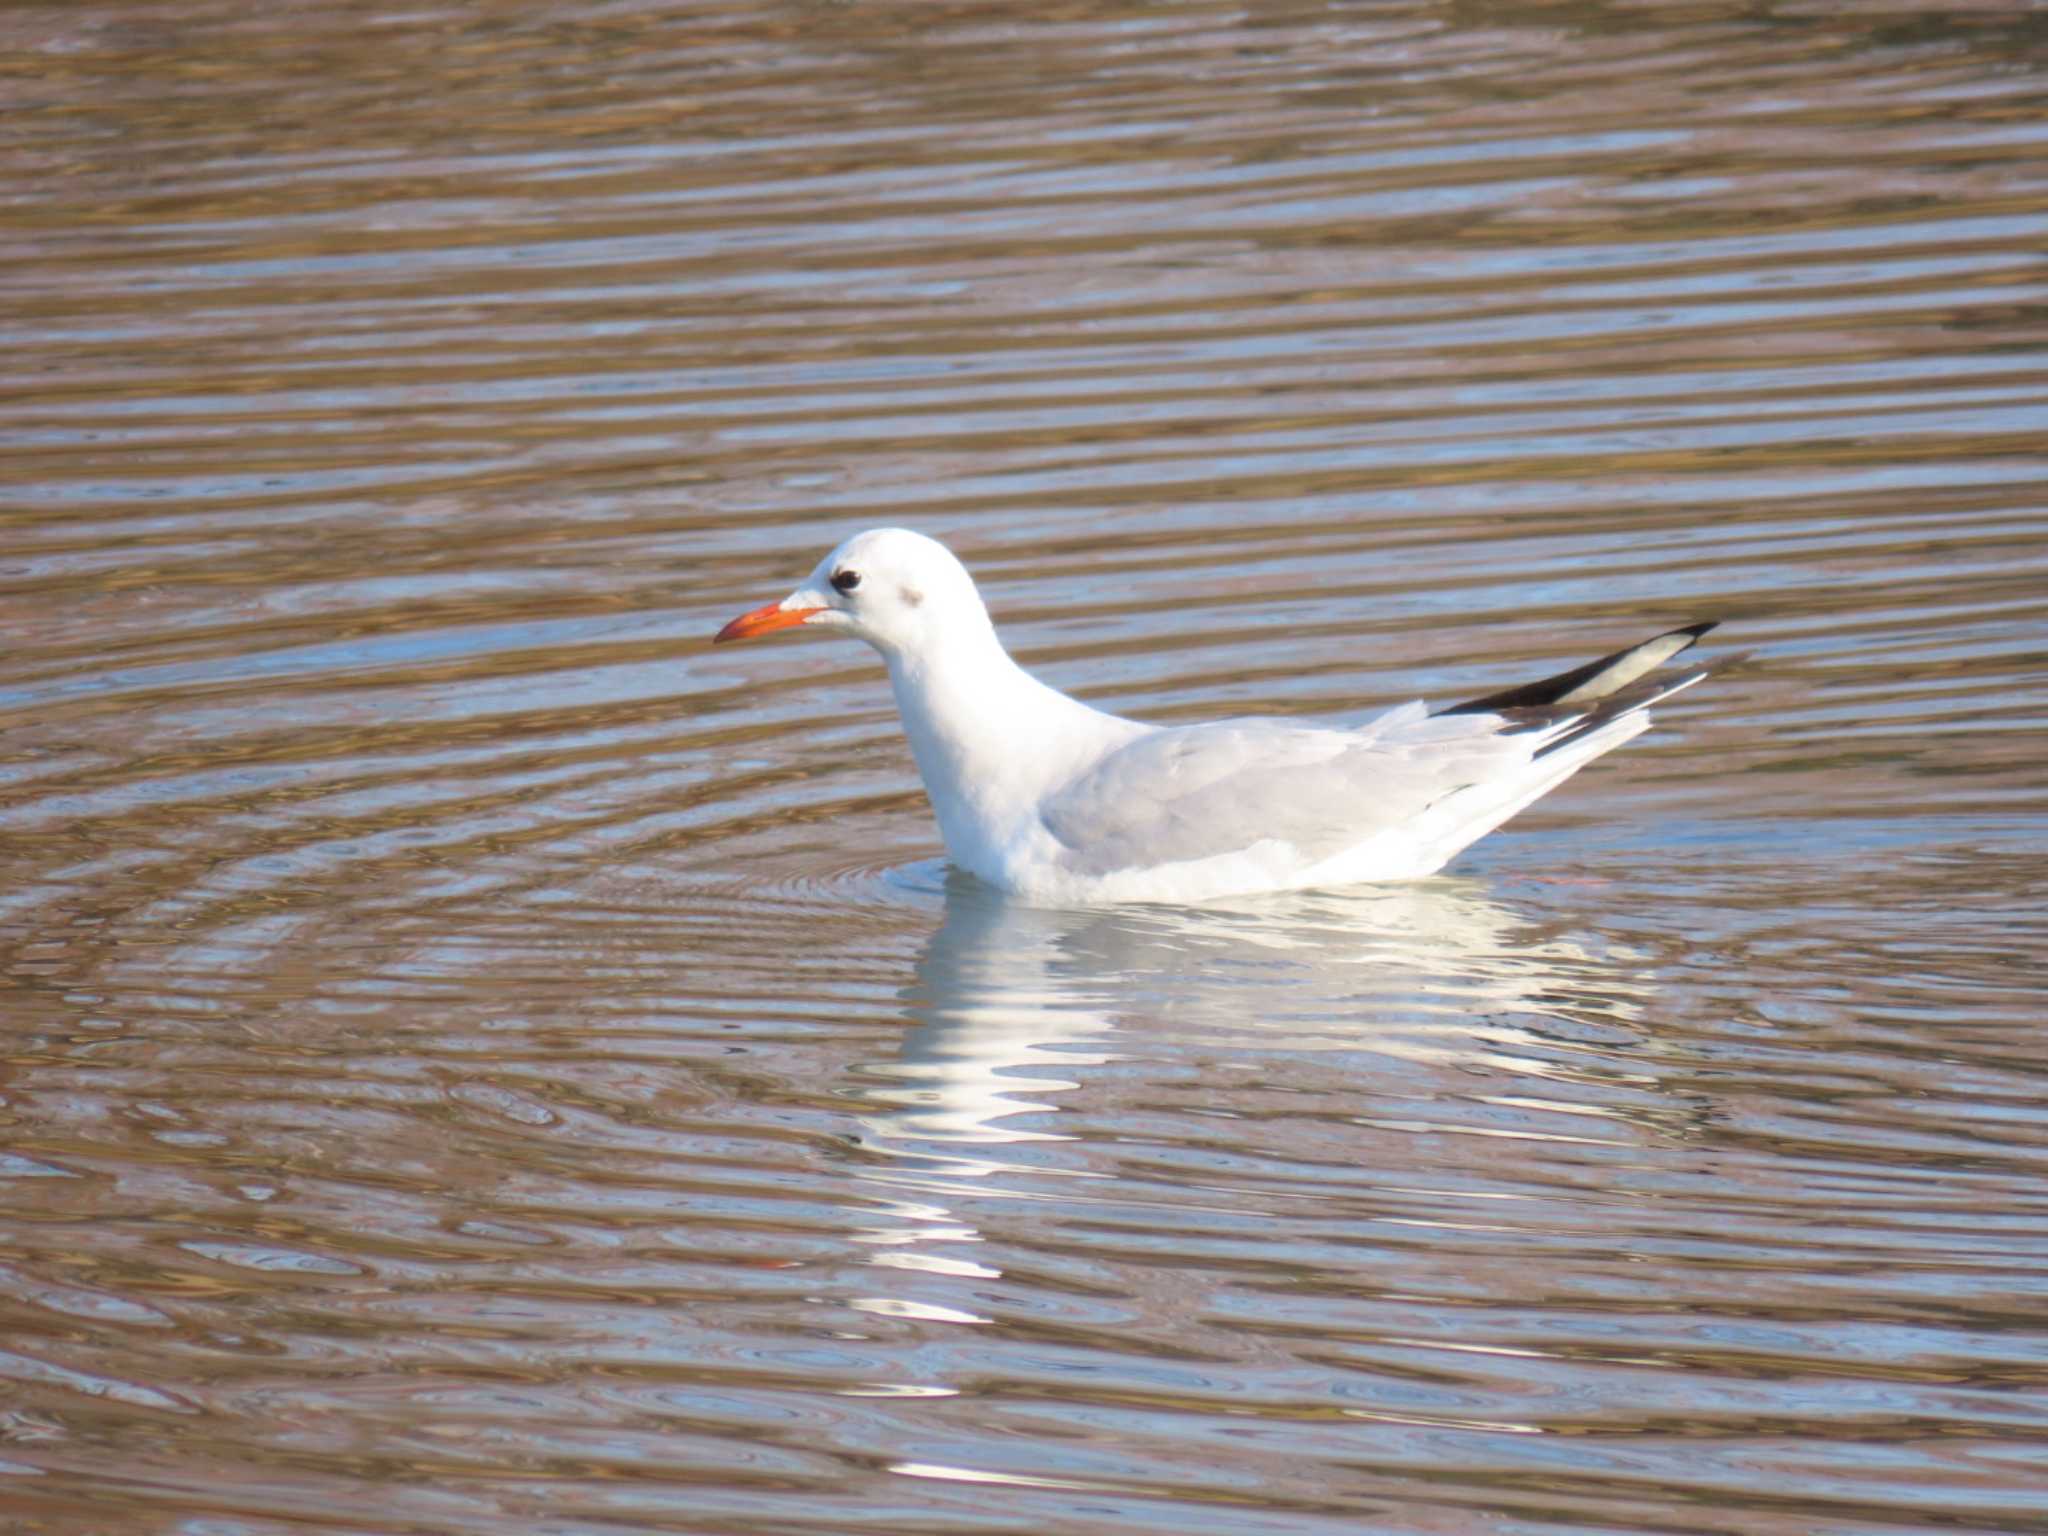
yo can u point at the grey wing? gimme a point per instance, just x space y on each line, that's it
1195 792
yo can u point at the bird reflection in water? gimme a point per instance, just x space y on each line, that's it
1012 1002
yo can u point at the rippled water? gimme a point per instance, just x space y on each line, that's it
476 1059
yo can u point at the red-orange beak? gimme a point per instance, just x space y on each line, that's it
763 621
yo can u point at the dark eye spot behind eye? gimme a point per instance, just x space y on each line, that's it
845 581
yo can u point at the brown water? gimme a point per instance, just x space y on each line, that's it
475 1059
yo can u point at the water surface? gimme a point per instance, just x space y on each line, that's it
474 1058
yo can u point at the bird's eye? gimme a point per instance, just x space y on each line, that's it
846 581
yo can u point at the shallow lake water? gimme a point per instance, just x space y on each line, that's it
473 1058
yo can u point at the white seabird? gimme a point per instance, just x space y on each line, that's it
1060 803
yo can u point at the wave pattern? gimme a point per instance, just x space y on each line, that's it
476 1058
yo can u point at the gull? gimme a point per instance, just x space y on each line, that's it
1062 804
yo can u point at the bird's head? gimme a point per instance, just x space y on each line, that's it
895 589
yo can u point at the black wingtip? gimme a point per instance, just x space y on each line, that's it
1592 681
1626 701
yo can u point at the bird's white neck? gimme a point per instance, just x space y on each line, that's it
991 741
